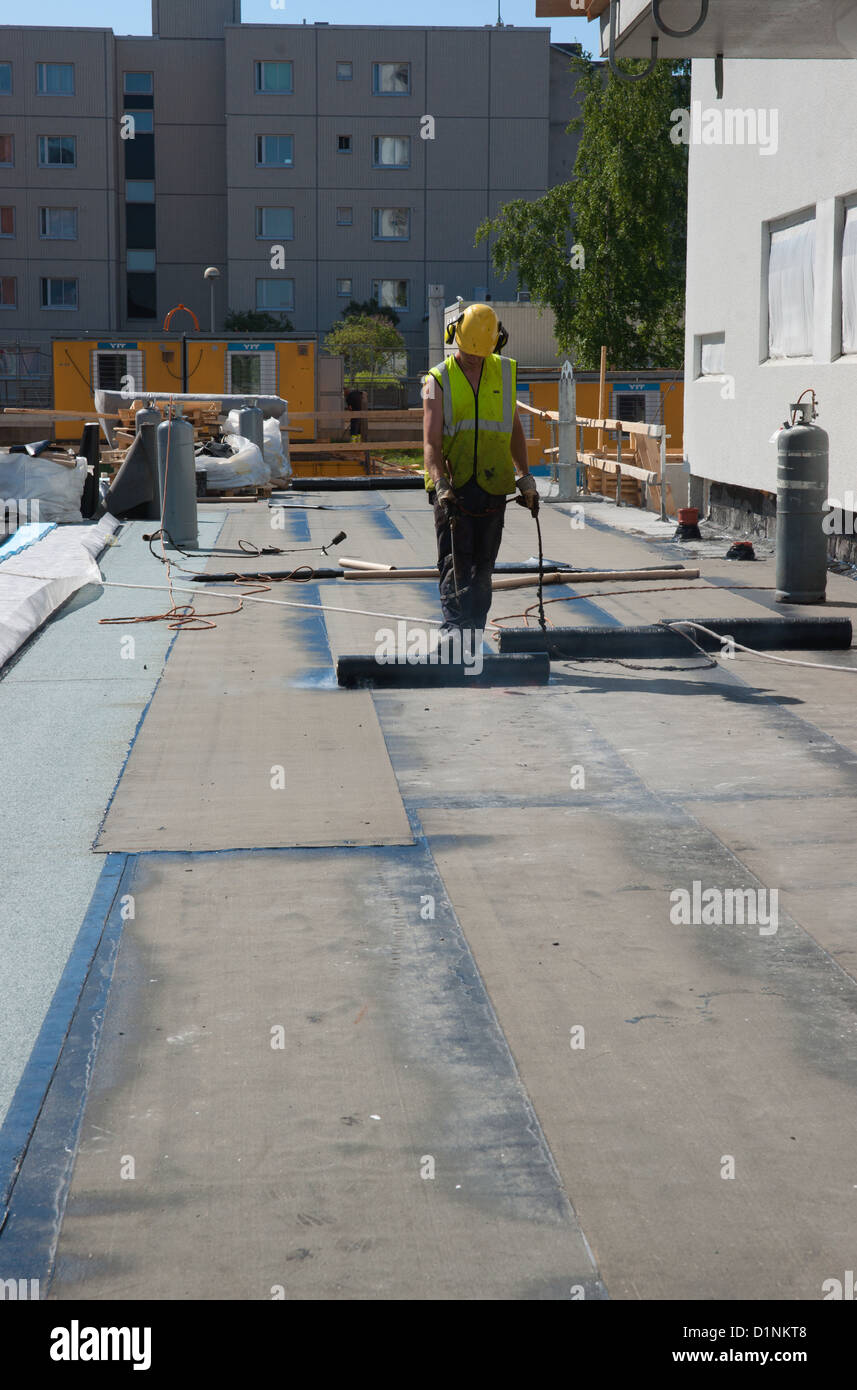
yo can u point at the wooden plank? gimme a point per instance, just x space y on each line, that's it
334 447
393 416
46 414
608 465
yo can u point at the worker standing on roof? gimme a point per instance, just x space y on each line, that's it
475 453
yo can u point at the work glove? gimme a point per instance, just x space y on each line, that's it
445 496
529 493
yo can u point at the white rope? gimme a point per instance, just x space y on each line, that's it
766 656
277 602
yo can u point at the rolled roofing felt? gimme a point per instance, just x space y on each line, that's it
653 641
526 669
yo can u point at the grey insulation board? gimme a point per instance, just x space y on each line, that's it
202 774
230 711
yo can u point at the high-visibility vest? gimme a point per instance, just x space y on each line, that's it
477 428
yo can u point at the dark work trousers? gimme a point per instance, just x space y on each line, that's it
476 532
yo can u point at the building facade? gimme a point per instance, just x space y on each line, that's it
771 275
309 164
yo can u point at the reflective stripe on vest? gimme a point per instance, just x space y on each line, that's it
492 419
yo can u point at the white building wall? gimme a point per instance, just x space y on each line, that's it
734 192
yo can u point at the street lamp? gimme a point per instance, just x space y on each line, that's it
211 274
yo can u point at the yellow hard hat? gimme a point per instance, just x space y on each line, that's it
478 331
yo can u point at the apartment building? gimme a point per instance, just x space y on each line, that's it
310 164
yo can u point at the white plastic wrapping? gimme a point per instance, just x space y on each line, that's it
57 489
246 467
272 450
36 580
791 290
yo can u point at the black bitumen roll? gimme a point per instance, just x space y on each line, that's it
361 483
532 668
654 641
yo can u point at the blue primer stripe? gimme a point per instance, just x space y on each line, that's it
24 537
382 521
28 1101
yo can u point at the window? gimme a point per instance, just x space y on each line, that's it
274 77
32 363
246 372
7 151
849 281
343 288
391 224
275 150
391 293
8 292
344 71
791 290
26 364
712 357
59 294
391 79
139 83
110 368
55 79
278 295
143 122
5 79
140 260
141 297
58 224
391 151
140 225
344 217
139 191
344 144
7 221
275 222
251 373
57 151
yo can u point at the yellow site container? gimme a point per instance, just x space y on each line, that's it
657 397
235 366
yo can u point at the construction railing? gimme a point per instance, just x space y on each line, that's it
565 470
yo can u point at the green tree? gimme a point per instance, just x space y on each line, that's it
606 251
256 321
369 308
366 342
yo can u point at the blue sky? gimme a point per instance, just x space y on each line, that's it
134 16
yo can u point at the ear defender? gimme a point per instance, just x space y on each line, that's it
450 332
502 339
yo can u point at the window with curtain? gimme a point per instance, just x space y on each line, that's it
391 224
712 354
391 151
791 290
849 281
391 79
